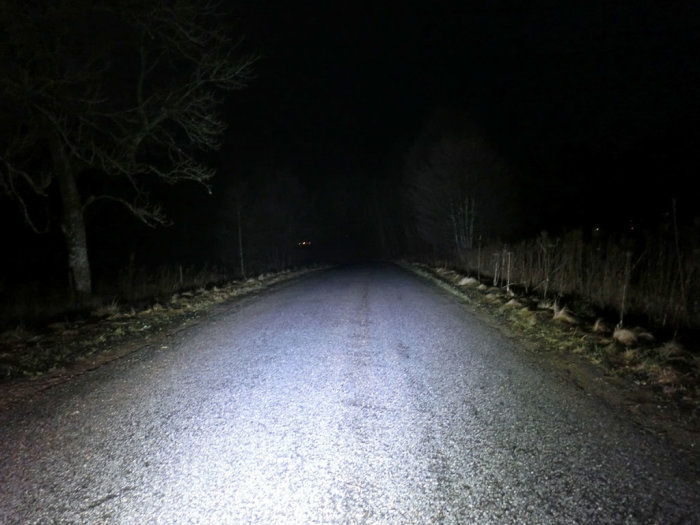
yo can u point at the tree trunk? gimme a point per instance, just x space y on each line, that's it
73 224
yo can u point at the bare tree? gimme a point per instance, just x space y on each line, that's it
263 217
278 218
453 176
122 91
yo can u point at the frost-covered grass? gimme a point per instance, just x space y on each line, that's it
89 335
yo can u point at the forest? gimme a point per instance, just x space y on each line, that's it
165 146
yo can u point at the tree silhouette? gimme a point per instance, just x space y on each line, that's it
127 92
455 182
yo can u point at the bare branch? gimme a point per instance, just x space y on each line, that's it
150 214
175 65
17 195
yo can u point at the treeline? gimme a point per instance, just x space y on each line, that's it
265 223
255 226
111 117
457 194
651 275
105 103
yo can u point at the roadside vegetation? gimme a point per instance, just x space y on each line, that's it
650 276
656 374
92 333
623 294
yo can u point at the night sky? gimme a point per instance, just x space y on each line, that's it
595 104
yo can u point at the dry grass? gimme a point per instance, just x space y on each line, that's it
653 274
667 370
37 304
31 352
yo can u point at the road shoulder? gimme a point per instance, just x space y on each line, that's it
559 348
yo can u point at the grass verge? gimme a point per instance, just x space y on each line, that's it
113 329
653 382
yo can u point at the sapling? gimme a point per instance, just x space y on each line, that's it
478 260
508 254
681 279
546 263
497 260
625 285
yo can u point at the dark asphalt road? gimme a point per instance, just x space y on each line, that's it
356 395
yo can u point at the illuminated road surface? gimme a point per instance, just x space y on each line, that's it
362 395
